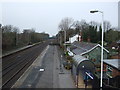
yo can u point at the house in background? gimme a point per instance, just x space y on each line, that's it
74 38
112 67
115 47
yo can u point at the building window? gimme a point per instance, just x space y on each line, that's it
109 71
109 68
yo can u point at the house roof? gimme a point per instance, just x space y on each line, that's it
78 51
81 62
78 59
72 47
83 47
113 62
118 41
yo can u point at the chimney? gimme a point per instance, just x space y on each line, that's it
80 36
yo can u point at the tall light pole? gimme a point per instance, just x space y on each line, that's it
94 11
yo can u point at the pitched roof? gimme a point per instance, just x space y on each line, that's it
118 41
113 62
83 62
78 59
72 48
78 51
83 47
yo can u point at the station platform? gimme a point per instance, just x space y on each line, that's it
45 72
18 49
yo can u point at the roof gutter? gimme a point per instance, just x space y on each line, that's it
94 48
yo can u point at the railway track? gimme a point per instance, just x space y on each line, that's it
13 66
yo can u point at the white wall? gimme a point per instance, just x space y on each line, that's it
74 38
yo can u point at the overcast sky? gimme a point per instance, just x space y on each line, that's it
119 15
45 16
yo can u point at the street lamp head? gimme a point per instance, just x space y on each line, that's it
93 11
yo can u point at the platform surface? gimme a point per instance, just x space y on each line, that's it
45 72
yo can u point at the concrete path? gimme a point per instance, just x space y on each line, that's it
65 78
81 83
45 72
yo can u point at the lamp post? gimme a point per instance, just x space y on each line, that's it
94 11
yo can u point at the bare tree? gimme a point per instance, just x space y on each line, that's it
7 28
107 25
7 36
81 25
84 24
16 31
93 23
77 25
66 23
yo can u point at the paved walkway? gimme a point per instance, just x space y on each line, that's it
65 78
81 83
45 72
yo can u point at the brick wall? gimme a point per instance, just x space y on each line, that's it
115 72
